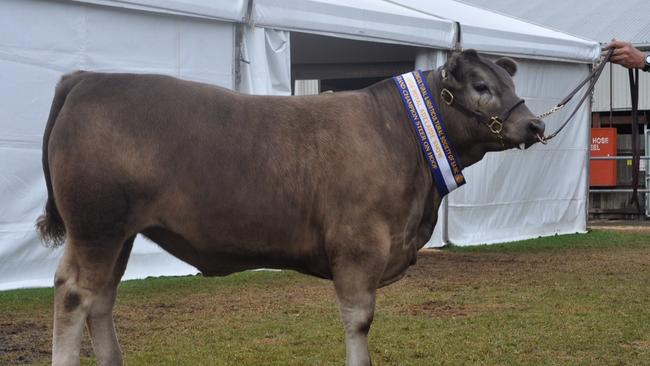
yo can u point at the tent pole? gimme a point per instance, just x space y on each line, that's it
446 241
239 38
458 39
239 42
445 223
589 152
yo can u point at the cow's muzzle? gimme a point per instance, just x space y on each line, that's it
535 133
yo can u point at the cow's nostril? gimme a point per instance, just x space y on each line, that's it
536 126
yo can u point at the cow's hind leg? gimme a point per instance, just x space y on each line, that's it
357 271
100 317
83 283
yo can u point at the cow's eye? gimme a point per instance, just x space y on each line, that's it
481 87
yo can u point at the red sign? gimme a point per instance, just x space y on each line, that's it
602 173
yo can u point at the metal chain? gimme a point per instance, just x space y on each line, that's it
549 112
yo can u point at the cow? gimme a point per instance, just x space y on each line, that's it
334 185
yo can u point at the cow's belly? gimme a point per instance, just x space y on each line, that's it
229 250
220 254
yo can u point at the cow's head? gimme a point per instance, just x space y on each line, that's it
473 91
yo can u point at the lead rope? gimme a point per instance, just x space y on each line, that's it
636 153
593 77
634 92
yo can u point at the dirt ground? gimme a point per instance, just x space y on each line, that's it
621 225
25 336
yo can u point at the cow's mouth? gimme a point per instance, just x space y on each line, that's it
534 134
525 145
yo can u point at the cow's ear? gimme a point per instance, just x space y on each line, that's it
508 64
450 70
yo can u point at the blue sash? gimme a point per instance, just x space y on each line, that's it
423 111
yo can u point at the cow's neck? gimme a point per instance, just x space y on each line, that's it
391 106
390 110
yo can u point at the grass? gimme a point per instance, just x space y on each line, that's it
594 240
568 300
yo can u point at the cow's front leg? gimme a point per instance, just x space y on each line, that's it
357 307
357 269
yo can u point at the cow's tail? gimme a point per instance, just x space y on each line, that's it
50 224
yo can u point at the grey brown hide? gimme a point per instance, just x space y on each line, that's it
333 185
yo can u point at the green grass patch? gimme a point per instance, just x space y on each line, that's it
567 300
592 240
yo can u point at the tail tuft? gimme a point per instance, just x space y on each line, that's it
50 226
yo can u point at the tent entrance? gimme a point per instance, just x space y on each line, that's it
346 64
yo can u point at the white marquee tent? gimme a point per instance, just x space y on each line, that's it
246 46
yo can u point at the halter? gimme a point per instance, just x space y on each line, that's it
494 123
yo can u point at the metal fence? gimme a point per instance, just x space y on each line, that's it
629 190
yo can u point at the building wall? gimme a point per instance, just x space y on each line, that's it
620 91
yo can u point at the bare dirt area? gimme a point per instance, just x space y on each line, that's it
444 285
21 341
621 225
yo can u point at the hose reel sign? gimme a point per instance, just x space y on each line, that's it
602 173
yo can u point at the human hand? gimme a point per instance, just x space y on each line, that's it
625 54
